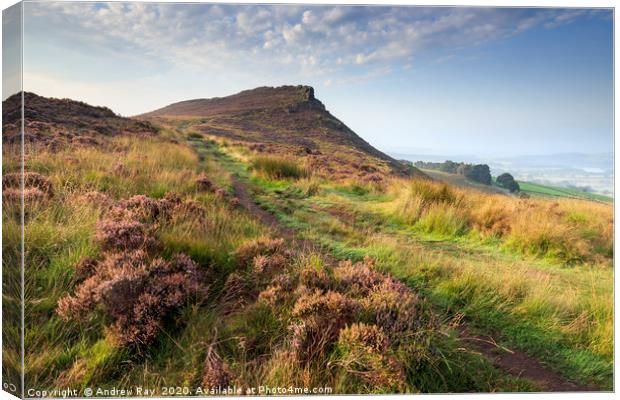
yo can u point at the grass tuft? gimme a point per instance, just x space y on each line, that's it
274 167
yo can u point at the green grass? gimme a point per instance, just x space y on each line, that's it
275 167
59 233
559 313
535 306
554 191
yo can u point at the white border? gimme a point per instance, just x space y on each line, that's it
483 3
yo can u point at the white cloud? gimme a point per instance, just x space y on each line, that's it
314 40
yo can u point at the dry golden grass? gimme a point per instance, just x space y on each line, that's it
572 231
277 167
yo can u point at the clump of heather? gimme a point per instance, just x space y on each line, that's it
279 290
129 284
32 180
358 278
364 354
221 193
369 336
37 188
115 234
394 307
247 252
204 184
96 199
318 319
217 373
234 202
267 265
141 207
136 292
85 269
13 196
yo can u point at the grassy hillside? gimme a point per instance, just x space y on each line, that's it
176 254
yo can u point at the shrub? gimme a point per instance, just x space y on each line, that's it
358 278
216 372
136 292
363 353
86 268
12 197
507 181
140 207
204 184
394 307
369 336
32 180
246 253
123 235
319 316
274 167
96 199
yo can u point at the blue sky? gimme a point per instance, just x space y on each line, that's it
500 81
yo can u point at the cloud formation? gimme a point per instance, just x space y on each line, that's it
310 40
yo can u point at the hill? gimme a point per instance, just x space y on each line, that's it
244 271
54 121
286 120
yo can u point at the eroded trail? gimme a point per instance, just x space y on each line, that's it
519 364
247 201
511 361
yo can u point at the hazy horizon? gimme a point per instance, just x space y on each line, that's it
507 81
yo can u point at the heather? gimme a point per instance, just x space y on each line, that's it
127 213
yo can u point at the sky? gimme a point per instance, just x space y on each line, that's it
497 81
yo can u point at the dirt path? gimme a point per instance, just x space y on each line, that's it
512 362
519 364
290 235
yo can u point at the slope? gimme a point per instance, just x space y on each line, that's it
286 120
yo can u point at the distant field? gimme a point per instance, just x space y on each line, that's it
553 191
